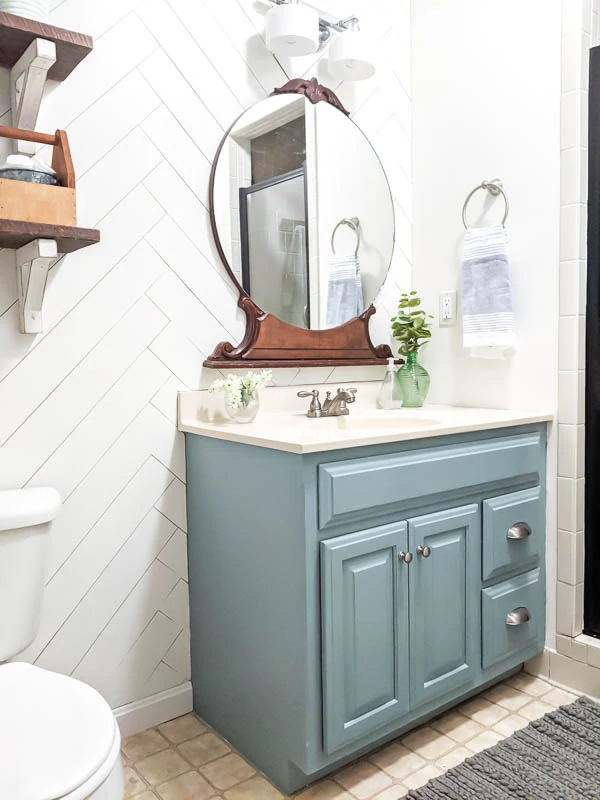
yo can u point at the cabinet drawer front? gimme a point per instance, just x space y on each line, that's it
513 618
353 489
365 633
513 534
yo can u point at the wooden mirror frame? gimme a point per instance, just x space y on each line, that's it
269 342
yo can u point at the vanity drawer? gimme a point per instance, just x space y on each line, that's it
513 532
353 489
512 616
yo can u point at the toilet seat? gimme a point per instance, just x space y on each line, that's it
56 733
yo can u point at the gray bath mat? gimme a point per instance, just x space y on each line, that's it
556 757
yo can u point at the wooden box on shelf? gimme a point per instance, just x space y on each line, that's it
34 202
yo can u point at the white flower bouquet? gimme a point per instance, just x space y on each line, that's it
242 392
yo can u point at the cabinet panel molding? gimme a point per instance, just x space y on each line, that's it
443 599
365 632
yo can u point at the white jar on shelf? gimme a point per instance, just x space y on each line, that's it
30 9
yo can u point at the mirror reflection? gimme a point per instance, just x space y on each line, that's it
303 212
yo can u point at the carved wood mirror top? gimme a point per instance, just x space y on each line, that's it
303 220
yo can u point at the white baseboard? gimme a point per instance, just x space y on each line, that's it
151 711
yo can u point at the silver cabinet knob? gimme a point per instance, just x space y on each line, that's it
424 551
406 557
518 616
520 530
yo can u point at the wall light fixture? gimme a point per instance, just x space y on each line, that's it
293 28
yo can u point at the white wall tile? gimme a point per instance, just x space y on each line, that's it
106 595
88 406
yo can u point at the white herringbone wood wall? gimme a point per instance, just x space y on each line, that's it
89 405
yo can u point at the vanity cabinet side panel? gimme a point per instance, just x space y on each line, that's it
248 604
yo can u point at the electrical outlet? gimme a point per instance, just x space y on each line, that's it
447 315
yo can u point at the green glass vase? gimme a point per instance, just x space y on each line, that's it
412 382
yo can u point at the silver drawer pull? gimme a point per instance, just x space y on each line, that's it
520 530
518 616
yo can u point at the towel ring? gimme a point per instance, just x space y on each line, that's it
352 222
494 187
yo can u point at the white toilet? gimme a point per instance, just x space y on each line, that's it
59 739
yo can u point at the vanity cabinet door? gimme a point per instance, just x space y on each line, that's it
444 608
364 596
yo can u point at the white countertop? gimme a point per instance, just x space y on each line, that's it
282 423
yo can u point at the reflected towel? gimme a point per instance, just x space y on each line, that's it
345 292
294 284
487 305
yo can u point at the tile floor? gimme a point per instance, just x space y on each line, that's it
184 760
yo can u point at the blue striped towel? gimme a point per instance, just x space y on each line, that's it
345 291
487 304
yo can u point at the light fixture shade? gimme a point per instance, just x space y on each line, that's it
351 57
292 29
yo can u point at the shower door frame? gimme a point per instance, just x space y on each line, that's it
244 236
591 596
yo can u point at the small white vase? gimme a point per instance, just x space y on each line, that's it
30 9
243 413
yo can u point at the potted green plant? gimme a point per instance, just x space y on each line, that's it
410 327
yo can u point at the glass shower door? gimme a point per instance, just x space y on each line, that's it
274 246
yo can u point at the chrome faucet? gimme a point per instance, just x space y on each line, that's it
332 407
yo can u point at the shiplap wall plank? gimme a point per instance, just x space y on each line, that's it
89 405
113 585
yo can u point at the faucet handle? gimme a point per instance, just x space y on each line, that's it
315 409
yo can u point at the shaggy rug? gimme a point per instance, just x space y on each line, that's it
556 757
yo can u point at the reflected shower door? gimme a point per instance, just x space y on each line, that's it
274 246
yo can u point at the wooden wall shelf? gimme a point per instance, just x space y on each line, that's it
17 33
15 234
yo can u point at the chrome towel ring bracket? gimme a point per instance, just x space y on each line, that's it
494 187
351 222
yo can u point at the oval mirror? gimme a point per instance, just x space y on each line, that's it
302 211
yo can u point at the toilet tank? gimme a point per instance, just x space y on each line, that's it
25 519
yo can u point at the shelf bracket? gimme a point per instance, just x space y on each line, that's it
33 262
27 81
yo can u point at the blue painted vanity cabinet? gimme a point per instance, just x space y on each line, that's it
343 597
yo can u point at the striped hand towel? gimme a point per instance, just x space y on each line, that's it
344 291
487 306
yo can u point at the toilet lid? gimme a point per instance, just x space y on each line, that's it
55 733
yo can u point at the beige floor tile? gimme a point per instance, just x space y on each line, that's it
148 795
227 771
489 715
190 786
428 743
203 749
324 790
509 725
558 697
453 758
143 744
457 726
133 783
395 792
420 778
257 788
161 767
536 687
397 760
507 697
483 741
363 779
181 729
535 710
